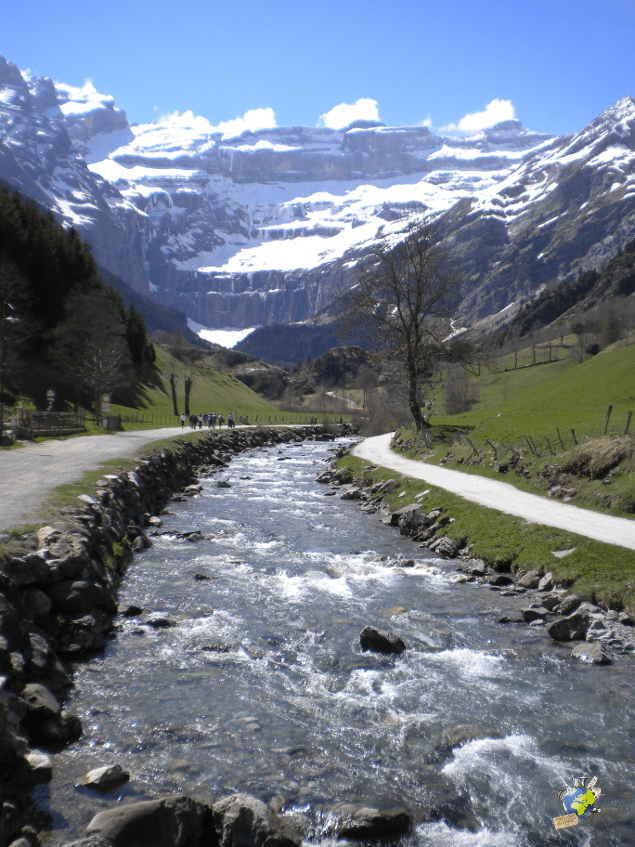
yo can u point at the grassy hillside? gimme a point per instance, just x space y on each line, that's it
542 429
212 391
533 401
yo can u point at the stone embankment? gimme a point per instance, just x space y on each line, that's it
600 635
58 597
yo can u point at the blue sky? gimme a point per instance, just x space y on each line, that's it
553 64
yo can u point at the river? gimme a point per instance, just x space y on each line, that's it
260 685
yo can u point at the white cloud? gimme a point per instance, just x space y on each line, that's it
196 125
75 101
495 112
341 116
427 122
252 120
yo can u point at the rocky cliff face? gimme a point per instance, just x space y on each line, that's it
262 228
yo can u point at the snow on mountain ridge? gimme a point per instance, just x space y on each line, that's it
262 226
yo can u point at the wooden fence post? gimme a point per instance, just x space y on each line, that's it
606 422
560 437
575 440
628 422
471 443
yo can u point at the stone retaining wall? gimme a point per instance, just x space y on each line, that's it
58 598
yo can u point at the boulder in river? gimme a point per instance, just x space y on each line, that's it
361 822
381 642
571 628
244 821
592 652
105 778
176 821
530 580
568 604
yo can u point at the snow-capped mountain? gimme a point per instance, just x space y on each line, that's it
261 228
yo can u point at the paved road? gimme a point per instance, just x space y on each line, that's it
28 475
502 496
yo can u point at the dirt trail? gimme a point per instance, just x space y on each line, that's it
28 474
502 496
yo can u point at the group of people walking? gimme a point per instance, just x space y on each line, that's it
199 421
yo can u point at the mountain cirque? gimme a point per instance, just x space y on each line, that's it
262 228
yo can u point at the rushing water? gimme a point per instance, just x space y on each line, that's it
261 685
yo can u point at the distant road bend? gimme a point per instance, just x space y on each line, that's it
502 496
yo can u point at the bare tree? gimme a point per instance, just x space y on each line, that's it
406 293
101 368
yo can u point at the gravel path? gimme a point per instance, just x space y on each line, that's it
28 474
502 496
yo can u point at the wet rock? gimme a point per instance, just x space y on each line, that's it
132 611
551 600
27 570
476 567
457 735
534 613
170 822
105 778
530 580
571 628
141 542
362 822
161 623
568 604
35 604
447 547
73 597
45 721
35 768
512 619
500 579
441 801
244 821
546 582
592 652
381 642
351 494
41 704
28 838
62 730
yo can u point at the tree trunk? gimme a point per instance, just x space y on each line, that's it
187 383
173 387
415 409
